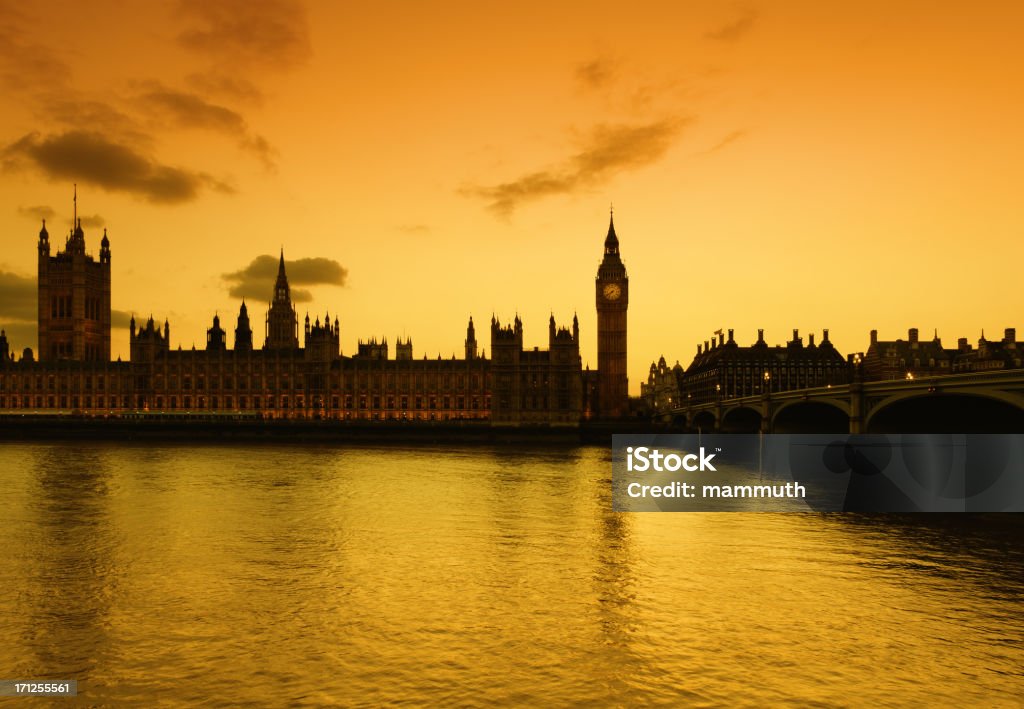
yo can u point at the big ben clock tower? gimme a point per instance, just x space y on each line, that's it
612 302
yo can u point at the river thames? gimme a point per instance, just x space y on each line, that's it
169 575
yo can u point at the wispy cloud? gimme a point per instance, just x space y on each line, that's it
256 280
413 228
37 212
234 88
608 151
734 30
187 110
596 73
725 142
93 158
26 64
272 33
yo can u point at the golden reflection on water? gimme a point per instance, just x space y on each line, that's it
296 575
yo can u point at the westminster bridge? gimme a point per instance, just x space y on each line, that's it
990 401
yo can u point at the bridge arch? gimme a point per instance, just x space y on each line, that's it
966 411
741 419
811 416
704 421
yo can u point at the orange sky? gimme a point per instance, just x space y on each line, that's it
792 164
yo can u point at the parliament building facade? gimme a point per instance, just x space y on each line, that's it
516 386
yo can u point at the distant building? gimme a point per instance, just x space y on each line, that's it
722 369
662 390
898 359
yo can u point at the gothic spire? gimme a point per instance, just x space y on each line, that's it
611 242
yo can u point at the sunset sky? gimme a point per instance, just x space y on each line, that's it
772 165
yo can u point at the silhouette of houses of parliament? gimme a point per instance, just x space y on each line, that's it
517 386
722 369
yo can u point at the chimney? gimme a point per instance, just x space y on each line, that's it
874 337
912 335
796 334
824 336
730 334
961 344
721 340
1009 335
760 335
698 348
811 338
705 345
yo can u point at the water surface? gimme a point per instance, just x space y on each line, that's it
227 575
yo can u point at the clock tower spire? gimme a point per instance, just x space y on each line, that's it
612 304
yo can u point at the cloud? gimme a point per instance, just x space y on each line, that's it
57 108
190 111
37 212
732 31
413 228
94 221
610 149
231 87
256 280
186 110
596 74
25 64
120 318
724 142
93 158
18 297
271 33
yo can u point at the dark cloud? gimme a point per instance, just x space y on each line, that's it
39 211
74 111
732 31
596 74
187 110
120 318
93 158
609 150
726 141
269 33
190 111
18 296
256 280
94 221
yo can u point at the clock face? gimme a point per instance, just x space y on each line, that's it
612 291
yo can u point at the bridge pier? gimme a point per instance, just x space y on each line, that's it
856 406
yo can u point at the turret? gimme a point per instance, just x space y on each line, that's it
215 337
105 248
44 241
470 340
